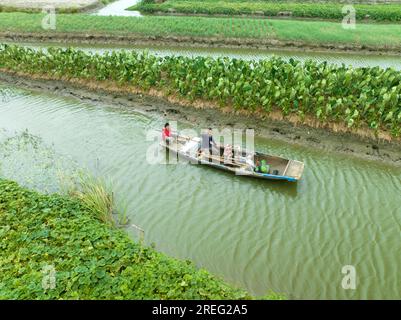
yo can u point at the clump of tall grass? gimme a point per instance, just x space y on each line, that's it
94 192
96 195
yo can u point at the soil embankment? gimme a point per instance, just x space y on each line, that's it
195 42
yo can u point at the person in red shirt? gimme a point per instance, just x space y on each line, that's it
166 133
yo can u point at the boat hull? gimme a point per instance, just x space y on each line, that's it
221 166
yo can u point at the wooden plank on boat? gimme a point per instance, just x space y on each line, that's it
286 167
220 160
295 169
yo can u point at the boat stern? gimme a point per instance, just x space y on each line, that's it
294 170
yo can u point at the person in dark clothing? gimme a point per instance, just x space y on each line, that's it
208 144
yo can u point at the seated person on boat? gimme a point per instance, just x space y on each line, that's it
228 154
262 167
246 161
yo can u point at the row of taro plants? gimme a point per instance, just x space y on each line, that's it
356 97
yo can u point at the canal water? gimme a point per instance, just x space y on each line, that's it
290 238
118 8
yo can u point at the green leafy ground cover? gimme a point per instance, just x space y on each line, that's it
92 260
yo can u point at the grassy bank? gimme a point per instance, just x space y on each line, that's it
91 259
328 10
317 94
260 30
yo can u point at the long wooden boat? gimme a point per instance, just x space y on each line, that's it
280 168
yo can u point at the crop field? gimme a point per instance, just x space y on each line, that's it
367 97
315 32
320 10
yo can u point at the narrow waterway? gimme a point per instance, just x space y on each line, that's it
119 8
261 235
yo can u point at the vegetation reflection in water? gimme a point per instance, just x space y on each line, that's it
26 159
